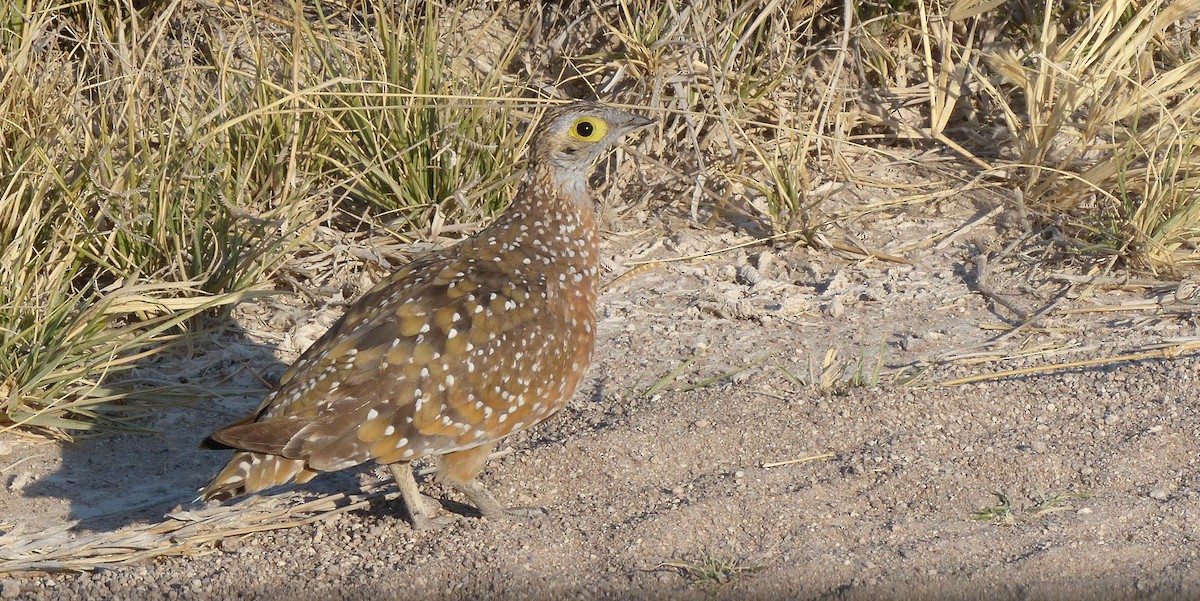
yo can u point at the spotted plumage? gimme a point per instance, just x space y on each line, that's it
454 351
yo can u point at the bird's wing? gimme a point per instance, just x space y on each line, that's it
412 366
244 434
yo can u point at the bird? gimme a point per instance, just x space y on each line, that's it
455 350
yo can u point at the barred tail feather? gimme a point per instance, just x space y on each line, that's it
249 472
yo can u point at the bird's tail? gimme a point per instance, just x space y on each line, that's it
249 472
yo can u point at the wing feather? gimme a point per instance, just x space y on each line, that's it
403 373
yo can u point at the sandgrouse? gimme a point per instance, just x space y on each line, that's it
454 351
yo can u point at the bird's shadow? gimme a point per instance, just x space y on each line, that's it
110 480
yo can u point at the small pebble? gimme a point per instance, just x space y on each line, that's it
834 308
10 589
748 276
765 259
1159 494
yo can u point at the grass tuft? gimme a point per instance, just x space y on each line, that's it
712 569
1102 118
1006 513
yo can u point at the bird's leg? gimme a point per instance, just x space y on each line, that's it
410 495
483 500
459 470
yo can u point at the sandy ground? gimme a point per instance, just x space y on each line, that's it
1076 484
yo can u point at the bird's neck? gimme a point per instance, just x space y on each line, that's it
553 223
552 234
554 199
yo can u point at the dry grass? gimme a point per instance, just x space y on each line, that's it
1104 121
184 532
163 161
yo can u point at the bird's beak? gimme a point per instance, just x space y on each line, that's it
627 122
637 122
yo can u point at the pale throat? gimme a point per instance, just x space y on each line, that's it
572 185
555 202
563 190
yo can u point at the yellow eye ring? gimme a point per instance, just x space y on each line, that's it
589 129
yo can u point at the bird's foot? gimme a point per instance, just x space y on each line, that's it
421 522
491 509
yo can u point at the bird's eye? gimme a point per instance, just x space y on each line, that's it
589 129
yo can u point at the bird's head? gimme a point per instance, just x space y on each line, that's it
571 137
